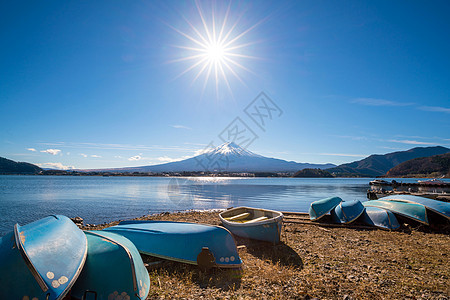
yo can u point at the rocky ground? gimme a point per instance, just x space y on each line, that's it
314 262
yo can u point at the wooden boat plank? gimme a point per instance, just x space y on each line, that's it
256 220
239 217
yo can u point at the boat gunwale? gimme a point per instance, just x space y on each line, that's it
191 262
130 222
78 271
27 259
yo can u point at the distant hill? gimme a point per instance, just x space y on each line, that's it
8 166
228 157
377 165
433 166
313 173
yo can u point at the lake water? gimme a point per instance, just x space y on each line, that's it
24 199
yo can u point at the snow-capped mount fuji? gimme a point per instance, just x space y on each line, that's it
228 157
231 149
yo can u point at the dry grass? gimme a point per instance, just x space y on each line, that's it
315 262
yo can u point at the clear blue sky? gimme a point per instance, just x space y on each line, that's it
96 84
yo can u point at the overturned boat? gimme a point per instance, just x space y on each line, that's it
320 208
41 260
113 270
347 211
439 207
380 218
416 212
203 245
253 223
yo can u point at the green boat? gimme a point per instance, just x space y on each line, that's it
114 269
440 207
320 208
413 211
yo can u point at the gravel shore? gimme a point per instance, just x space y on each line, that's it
314 262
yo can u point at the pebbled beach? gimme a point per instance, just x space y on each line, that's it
313 262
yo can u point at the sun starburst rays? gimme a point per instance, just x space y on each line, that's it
217 50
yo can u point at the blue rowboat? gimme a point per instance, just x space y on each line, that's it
320 208
114 269
440 207
347 212
253 223
380 217
203 245
413 211
41 259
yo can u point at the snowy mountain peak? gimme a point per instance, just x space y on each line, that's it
228 157
231 148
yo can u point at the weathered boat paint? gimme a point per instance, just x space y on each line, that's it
320 208
347 212
380 217
180 241
440 207
41 259
413 211
268 229
114 269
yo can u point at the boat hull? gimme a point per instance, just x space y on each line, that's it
380 217
413 211
114 269
268 230
320 208
439 207
179 241
41 259
347 212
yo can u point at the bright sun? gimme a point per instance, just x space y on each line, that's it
215 52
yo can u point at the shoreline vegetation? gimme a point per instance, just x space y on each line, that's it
313 262
305 173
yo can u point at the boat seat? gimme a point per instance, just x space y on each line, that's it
256 220
238 217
